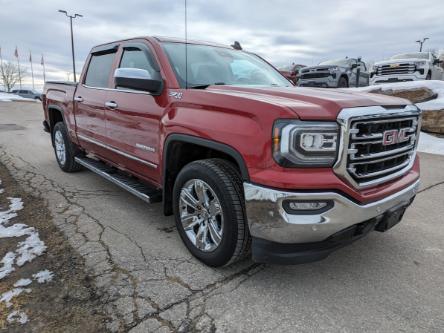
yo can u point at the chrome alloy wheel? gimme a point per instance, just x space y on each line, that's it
60 147
201 215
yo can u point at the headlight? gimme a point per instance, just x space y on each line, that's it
333 69
420 63
305 143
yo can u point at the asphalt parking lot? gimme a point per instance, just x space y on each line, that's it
390 282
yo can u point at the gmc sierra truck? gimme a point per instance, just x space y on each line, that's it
407 67
246 162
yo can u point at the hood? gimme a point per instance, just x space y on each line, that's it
320 67
398 61
307 103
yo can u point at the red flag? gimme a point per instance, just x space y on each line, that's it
42 62
16 54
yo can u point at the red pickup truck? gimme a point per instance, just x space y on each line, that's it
245 161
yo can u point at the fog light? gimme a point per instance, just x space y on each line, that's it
306 207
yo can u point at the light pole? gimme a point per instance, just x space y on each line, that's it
72 40
421 43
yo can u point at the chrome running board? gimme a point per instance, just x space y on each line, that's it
132 185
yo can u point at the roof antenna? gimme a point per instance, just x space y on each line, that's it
186 47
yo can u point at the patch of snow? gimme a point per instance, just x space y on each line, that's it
26 250
6 97
435 85
7 296
8 264
17 317
23 283
43 276
430 144
30 248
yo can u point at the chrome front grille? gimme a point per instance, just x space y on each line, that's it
378 146
393 69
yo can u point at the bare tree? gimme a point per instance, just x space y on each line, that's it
10 74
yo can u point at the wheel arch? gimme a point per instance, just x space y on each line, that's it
55 114
181 149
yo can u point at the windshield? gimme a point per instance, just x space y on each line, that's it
338 62
209 65
417 55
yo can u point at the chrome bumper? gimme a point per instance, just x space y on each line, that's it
268 220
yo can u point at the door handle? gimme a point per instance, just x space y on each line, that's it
78 99
111 105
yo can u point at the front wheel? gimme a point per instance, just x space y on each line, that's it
64 149
209 211
429 76
342 82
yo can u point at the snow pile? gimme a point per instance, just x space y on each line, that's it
434 85
430 144
26 251
43 276
6 97
17 317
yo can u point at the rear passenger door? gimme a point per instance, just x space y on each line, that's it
132 123
90 98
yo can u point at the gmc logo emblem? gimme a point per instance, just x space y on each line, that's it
394 136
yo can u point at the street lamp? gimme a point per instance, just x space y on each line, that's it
421 42
72 40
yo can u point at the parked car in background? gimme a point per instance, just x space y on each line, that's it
291 72
240 157
407 67
27 93
340 73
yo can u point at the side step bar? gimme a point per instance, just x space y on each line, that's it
132 185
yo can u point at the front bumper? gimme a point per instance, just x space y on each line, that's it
268 220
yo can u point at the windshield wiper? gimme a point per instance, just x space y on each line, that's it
205 86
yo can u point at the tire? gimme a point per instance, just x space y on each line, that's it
429 76
65 151
222 184
342 83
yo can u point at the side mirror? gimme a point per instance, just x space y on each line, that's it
137 79
353 66
437 61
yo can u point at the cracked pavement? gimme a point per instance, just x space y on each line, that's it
148 282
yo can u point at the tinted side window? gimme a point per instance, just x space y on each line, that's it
99 70
136 58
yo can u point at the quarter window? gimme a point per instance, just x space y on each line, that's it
99 70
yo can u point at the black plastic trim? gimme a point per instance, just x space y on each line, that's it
208 144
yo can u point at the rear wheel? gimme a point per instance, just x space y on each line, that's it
64 149
342 83
209 212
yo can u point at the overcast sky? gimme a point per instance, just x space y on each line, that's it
282 31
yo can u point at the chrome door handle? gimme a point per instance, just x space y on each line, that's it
78 99
111 105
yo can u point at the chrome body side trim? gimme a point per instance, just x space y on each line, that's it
268 220
349 115
114 150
